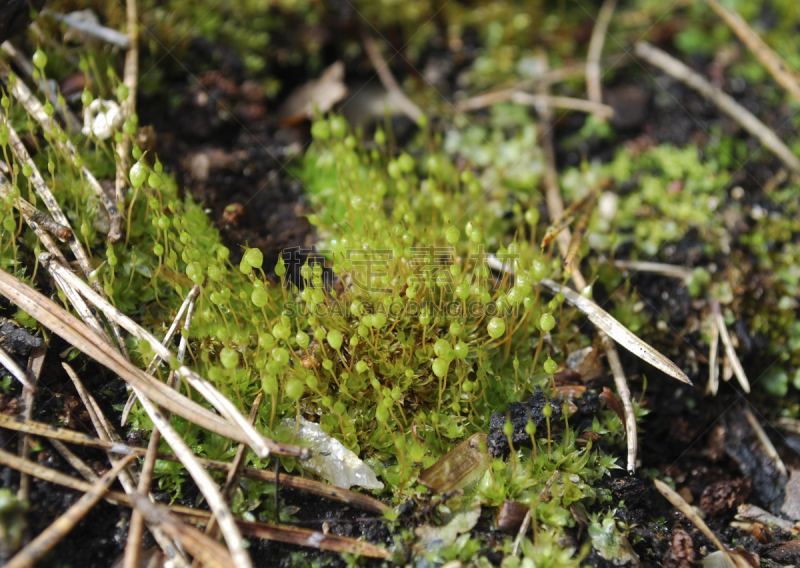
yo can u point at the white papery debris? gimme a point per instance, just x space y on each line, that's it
330 459
102 118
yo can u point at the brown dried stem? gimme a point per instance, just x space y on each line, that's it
596 51
527 99
774 63
411 110
35 363
737 112
7 361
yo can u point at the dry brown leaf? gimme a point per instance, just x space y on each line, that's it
321 93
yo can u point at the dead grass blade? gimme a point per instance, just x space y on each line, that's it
260 444
108 35
566 218
203 481
136 527
279 533
28 211
188 301
769 448
618 332
555 208
577 236
593 86
35 364
235 469
49 244
131 80
205 550
411 110
670 270
529 515
43 543
713 358
737 112
625 394
16 371
127 477
302 537
318 95
459 467
534 100
679 503
77 464
730 350
313 487
78 334
21 92
778 68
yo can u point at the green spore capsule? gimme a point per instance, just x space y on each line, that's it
496 328
138 174
335 339
547 322
229 358
254 257
440 367
259 297
295 389
39 59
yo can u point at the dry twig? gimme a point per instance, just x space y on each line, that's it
737 112
527 519
527 99
103 33
411 110
35 363
670 270
7 361
625 395
774 63
679 503
596 50
730 351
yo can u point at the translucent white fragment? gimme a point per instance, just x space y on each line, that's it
102 118
330 459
